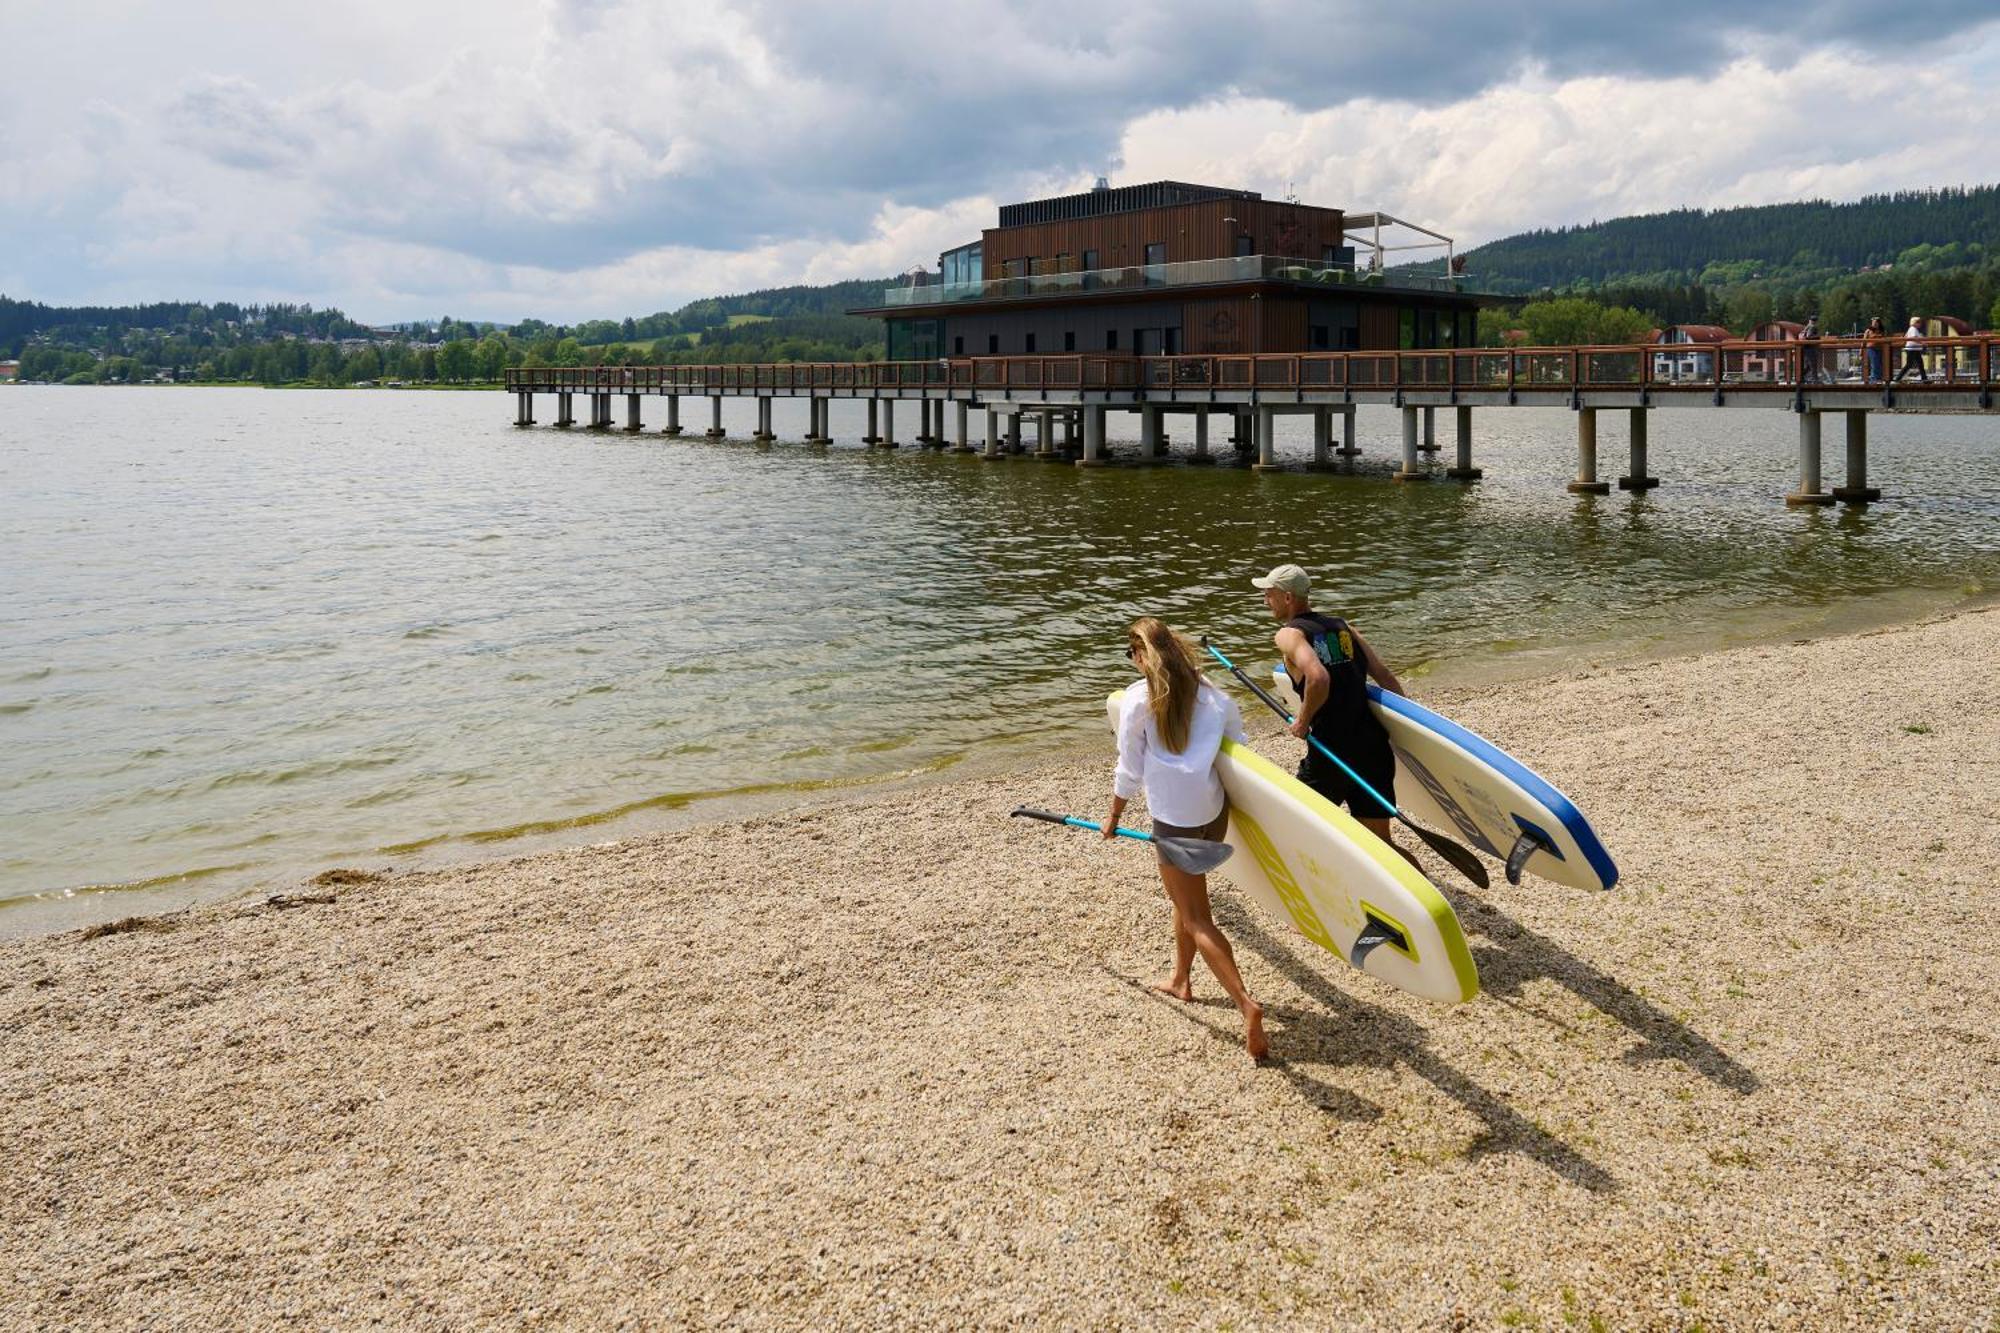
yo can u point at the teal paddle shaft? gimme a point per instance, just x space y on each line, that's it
1460 856
1197 856
1388 806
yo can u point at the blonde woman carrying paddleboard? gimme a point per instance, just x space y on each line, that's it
1170 729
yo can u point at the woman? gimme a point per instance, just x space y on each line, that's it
1876 336
1169 731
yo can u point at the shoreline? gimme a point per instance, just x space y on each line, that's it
1447 684
890 1060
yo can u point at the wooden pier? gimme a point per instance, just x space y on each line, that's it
1066 398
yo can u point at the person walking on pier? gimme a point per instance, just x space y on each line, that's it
1171 724
1877 337
1809 371
1913 351
1330 664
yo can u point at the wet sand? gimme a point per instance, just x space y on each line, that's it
893 1063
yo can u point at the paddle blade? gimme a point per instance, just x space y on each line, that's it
1461 857
1197 856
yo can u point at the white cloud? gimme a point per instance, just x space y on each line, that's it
601 157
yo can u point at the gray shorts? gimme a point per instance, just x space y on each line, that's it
1214 830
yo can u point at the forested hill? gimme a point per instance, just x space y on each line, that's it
1803 243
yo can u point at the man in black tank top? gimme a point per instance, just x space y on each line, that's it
1329 664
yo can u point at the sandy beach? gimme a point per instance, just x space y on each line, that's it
892 1063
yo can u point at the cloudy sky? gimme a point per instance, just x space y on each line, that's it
576 158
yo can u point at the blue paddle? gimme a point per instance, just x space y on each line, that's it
1197 856
1461 857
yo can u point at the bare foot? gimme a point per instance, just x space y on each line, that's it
1253 1031
1182 990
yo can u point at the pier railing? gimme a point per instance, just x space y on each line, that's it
1860 365
1183 273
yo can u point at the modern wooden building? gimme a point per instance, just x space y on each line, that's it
1170 268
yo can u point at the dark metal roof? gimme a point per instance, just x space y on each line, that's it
1124 199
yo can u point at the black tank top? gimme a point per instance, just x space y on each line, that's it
1345 723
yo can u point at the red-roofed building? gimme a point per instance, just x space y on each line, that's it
10 372
1688 365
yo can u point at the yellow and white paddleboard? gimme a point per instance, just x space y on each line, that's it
1308 861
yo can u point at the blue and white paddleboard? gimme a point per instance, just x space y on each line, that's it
1455 780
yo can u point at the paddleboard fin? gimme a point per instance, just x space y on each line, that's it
1532 840
1372 937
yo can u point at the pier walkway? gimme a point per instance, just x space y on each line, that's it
1067 396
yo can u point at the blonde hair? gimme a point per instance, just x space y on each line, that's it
1173 675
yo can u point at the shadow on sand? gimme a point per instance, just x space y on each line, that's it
1515 955
1349 1032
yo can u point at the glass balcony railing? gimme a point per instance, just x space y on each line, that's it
1195 273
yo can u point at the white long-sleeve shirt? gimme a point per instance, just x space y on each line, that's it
1181 788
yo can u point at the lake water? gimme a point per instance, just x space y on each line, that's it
246 635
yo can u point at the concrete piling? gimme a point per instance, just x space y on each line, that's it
1322 438
1413 468
1637 478
960 444
1430 444
673 415
632 413
1350 436
565 413
1202 457
1586 482
524 409
715 430
1857 491
1266 432
1463 470
1810 491
1093 438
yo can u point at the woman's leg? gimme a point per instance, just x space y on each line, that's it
1380 828
1181 984
1191 912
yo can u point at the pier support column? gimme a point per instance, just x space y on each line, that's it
1430 444
632 412
874 435
1149 433
600 411
1857 491
763 434
1586 482
1266 429
816 422
565 412
1462 424
1069 431
524 410
1093 438
1810 491
1638 479
673 415
1322 438
1350 446
992 449
1045 436
1413 468
1013 432
715 431
1202 458
888 440
959 434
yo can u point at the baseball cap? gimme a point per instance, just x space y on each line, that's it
1287 578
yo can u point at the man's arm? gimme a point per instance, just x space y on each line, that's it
1306 666
1378 670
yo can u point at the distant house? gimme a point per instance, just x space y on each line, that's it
1688 364
10 372
1936 358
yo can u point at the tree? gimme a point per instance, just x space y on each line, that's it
490 357
455 360
1571 321
1993 315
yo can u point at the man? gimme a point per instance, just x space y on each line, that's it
1329 664
1809 372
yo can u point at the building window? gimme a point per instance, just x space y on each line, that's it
1322 338
1090 261
1069 340
992 344
1111 340
958 345
1246 245
1156 252
1031 344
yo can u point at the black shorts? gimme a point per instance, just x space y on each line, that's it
1215 830
1324 776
